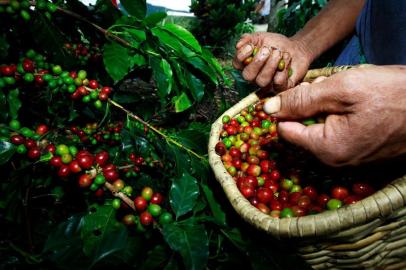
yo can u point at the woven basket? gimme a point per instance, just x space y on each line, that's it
370 234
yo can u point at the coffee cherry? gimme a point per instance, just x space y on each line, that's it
85 161
56 161
116 203
334 204
339 193
42 129
66 158
264 195
85 180
15 124
165 218
286 213
119 184
110 175
154 209
140 203
17 139
34 153
93 84
146 193
62 149
73 166
156 198
21 149
129 220
146 218
101 158
220 148
99 179
63 170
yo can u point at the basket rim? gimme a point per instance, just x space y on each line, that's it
379 205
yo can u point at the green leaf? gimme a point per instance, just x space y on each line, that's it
101 233
6 151
191 241
14 103
156 258
46 157
183 194
64 246
138 60
139 35
215 207
182 102
201 65
195 85
162 73
181 159
3 107
167 40
116 60
184 35
154 18
136 8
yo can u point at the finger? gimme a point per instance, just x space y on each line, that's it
307 100
251 71
244 52
246 38
319 79
309 137
266 74
280 80
297 73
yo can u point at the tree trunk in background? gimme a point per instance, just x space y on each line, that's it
273 20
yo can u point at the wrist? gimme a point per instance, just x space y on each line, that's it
305 46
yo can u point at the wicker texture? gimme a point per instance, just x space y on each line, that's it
369 234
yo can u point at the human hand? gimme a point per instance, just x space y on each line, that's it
366 118
263 70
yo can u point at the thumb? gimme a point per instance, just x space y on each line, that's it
305 101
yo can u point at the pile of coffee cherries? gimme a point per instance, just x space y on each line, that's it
247 149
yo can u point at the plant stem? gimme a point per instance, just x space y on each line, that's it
120 195
168 139
28 256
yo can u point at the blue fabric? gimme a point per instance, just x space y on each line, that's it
380 35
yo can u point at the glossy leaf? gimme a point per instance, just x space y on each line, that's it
191 241
195 85
183 194
162 73
215 207
182 102
116 60
184 35
6 151
14 103
201 65
139 35
64 245
167 40
136 8
99 227
154 18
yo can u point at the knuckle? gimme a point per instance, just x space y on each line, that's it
248 75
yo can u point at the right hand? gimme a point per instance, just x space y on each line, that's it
263 69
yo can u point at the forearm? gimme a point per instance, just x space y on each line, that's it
333 23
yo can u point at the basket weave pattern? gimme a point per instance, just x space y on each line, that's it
370 234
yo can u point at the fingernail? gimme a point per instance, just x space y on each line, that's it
263 53
272 105
247 49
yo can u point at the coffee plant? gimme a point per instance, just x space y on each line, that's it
219 21
103 144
